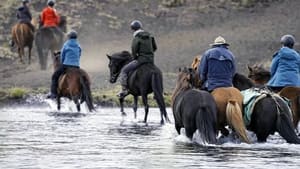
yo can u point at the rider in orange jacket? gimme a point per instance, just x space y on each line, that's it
49 16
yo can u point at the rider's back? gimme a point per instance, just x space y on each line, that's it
49 17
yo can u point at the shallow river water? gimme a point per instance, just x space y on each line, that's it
41 137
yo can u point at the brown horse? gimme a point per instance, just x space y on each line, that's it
229 103
22 36
75 85
261 76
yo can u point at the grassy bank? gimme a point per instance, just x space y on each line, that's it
101 97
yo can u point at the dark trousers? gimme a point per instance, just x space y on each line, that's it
131 66
55 77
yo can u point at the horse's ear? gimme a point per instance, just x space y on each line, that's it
179 69
249 68
108 56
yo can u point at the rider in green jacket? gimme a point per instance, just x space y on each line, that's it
142 48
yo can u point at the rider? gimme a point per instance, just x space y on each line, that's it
70 58
49 16
143 47
24 16
285 66
217 66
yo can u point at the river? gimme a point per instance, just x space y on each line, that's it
33 136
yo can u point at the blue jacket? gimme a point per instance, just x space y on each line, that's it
217 68
70 53
24 15
285 68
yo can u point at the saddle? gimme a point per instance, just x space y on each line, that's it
254 95
62 77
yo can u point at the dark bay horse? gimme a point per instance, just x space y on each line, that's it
145 80
229 103
75 85
50 39
23 36
261 76
270 113
194 109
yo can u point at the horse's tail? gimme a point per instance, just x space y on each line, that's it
86 93
234 118
206 124
157 87
285 126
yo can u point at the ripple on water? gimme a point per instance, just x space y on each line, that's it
41 137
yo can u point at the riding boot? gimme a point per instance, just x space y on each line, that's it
123 81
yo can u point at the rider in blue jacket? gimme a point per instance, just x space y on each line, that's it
285 66
217 66
70 58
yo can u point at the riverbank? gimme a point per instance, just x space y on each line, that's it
36 96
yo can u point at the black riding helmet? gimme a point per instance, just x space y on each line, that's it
72 34
51 2
136 25
288 41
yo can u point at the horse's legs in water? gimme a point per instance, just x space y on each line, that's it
76 101
162 107
58 102
121 100
135 102
145 102
224 131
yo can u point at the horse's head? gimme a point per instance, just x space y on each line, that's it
56 60
116 62
259 74
186 77
63 23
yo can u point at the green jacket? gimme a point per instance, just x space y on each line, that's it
143 47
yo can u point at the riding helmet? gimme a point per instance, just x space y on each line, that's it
288 41
136 25
51 2
72 34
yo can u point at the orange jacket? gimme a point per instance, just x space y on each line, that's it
49 17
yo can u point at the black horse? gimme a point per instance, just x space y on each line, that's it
269 114
146 79
199 114
50 39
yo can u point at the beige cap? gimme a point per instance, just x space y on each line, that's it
219 41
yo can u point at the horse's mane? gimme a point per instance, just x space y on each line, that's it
183 83
124 55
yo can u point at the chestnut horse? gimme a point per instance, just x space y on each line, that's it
229 103
23 36
75 85
194 109
261 76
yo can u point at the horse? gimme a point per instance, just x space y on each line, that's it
23 36
50 39
144 80
192 115
269 113
75 85
261 76
229 104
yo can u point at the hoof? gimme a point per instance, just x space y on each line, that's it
124 114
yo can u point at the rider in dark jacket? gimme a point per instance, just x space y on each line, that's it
217 66
143 47
24 14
